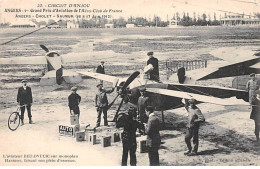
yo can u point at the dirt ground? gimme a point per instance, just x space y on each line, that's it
226 138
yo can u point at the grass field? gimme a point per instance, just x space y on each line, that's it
227 137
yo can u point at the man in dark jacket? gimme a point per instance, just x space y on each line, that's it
153 137
195 117
252 86
255 113
130 125
24 97
101 68
154 73
74 100
141 106
102 103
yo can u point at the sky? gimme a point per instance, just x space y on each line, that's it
144 8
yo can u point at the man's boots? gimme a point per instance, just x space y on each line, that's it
22 123
30 120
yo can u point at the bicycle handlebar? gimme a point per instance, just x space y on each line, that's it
20 106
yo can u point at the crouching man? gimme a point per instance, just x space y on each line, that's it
195 117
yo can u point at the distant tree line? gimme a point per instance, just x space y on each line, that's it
184 19
196 20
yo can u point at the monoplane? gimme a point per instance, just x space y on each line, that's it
166 96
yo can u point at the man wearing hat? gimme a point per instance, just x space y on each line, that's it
153 140
255 113
101 68
141 106
154 73
251 86
195 117
24 97
102 103
130 125
74 100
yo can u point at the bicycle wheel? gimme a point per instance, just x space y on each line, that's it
14 121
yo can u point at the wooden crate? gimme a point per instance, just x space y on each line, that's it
74 119
106 141
80 136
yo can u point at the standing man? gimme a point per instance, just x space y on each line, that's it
195 117
130 125
154 73
255 113
74 100
102 103
153 137
101 69
24 97
141 105
251 86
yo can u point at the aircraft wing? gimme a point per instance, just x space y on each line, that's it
49 79
255 66
35 60
198 97
234 54
100 76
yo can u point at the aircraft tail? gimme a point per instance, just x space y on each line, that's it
52 77
71 77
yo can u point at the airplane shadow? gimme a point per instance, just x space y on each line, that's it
214 151
230 141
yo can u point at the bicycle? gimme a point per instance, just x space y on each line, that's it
15 119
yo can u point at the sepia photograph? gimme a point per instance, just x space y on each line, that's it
129 83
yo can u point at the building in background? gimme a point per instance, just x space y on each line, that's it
232 20
72 25
109 25
129 25
24 24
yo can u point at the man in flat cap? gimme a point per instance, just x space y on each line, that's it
255 113
74 100
154 73
141 106
130 125
195 117
153 140
102 103
101 69
24 98
251 86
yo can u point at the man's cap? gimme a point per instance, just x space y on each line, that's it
192 100
252 74
142 89
102 62
100 84
24 80
150 108
132 109
149 53
74 88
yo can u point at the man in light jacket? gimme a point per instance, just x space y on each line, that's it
153 137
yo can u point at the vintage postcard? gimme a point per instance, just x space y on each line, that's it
119 82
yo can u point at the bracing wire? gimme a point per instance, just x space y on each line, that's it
29 33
